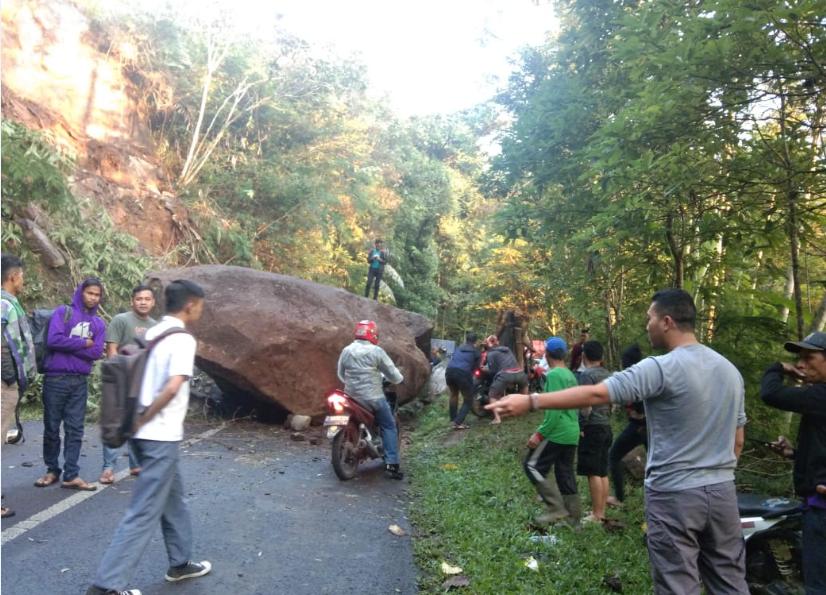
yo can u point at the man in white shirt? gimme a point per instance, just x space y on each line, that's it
159 491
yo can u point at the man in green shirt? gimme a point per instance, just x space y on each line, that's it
554 445
124 329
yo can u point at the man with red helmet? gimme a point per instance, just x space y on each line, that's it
360 367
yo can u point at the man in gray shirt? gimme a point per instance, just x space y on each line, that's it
694 403
595 433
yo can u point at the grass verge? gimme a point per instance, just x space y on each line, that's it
473 508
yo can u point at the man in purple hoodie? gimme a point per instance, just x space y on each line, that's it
73 346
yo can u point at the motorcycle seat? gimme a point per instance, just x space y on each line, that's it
765 506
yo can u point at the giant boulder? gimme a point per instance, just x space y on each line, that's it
277 338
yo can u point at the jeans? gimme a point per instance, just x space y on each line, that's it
64 401
631 437
110 456
157 499
389 431
459 381
814 546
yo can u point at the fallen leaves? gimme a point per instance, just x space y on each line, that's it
397 531
448 569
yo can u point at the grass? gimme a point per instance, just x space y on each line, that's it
473 508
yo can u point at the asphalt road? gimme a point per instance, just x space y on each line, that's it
267 511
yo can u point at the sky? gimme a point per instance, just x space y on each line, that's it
429 56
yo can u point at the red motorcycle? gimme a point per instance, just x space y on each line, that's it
355 432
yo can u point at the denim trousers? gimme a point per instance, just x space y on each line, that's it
389 431
157 499
110 456
64 401
814 550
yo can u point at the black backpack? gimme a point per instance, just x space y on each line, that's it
121 377
39 327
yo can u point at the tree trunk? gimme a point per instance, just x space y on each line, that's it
819 321
795 254
676 251
788 290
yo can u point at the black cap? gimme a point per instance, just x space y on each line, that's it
814 342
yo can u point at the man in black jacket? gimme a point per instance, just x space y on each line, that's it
459 378
810 456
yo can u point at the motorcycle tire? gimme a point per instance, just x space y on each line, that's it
768 575
480 399
345 457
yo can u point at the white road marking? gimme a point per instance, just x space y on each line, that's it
34 521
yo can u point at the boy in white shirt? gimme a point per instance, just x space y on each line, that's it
159 492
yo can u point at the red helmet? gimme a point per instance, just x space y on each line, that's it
367 330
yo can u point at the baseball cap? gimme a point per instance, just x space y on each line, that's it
555 343
814 342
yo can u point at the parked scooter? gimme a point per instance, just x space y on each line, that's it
772 531
355 431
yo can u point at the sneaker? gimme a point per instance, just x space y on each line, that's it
394 472
98 591
188 570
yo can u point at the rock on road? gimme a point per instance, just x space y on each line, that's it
267 511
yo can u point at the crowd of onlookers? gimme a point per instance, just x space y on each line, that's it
687 407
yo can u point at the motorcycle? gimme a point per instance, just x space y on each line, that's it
772 532
481 387
355 431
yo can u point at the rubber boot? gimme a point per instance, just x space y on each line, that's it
551 496
574 508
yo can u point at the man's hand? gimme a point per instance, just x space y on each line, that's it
783 446
511 405
792 371
534 441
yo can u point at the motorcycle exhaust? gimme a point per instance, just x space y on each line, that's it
367 442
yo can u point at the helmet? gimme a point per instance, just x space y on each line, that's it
367 330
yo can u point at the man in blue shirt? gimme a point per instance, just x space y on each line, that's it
459 378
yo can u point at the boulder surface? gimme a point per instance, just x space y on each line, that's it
277 339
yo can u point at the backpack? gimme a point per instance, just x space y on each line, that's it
121 377
39 327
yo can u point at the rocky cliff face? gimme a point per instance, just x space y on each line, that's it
57 80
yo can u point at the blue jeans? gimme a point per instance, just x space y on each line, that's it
157 499
389 431
814 545
110 456
64 401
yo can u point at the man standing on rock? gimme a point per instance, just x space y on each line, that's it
360 367
124 329
158 496
694 403
376 258
18 361
75 343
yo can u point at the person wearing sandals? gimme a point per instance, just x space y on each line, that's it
459 379
159 497
124 329
74 346
18 361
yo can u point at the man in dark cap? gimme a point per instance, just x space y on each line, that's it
810 456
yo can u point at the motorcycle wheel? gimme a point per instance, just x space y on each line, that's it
345 456
480 399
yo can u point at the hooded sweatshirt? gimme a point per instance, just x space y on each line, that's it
67 342
360 367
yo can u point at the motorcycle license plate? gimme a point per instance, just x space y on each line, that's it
334 422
